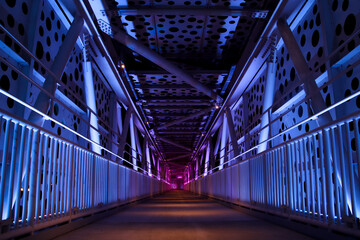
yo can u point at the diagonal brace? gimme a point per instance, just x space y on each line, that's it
154 57
191 116
173 143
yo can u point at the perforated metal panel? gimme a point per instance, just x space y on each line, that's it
205 46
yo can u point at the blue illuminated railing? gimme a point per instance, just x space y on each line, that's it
46 179
311 178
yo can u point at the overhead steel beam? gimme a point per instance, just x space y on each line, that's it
179 104
179 157
176 114
173 143
163 86
195 11
154 57
185 132
192 72
191 116
176 98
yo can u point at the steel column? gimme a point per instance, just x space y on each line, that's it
233 137
268 97
125 129
148 158
133 142
90 96
224 137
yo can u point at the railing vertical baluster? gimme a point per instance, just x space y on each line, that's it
302 180
66 180
53 179
4 165
62 179
323 177
328 176
278 177
26 176
38 177
44 177
335 169
357 146
306 163
33 175
266 179
18 179
311 176
10 189
93 176
344 186
351 172
289 179
318 195
83 173
282 202
59 160
71 172
298 202
49 185
273 195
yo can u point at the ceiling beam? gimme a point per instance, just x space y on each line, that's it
173 143
179 157
184 132
164 114
191 116
196 11
192 72
163 86
137 46
179 105
176 98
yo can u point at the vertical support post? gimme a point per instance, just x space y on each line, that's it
246 123
143 154
148 158
223 142
211 157
231 128
133 142
90 96
328 176
33 174
196 168
268 97
124 133
207 158
158 168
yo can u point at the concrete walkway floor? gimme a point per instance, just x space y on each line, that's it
181 215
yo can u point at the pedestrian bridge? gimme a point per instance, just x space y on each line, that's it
206 119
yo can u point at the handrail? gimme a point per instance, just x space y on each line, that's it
274 180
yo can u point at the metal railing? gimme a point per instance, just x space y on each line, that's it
46 179
313 178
